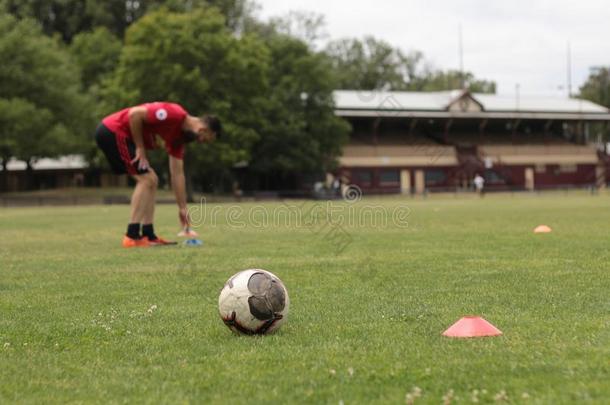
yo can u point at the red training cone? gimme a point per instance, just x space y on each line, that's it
543 229
471 326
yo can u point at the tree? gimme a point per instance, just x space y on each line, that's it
302 135
256 84
97 54
307 26
597 86
16 129
43 112
68 18
193 59
372 64
597 89
452 79
235 12
19 129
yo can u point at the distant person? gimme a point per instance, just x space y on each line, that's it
344 185
479 184
126 135
337 188
238 193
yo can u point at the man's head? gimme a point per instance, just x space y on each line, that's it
204 129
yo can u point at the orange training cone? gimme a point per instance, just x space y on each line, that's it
542 229
472 326
187 231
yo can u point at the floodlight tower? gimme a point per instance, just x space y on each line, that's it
569 69
461 57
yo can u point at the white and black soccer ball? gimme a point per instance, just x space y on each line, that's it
254 302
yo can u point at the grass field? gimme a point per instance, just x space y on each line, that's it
82 320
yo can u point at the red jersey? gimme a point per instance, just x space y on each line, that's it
162 119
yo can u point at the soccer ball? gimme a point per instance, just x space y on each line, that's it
253 302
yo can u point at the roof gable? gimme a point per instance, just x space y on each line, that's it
465 102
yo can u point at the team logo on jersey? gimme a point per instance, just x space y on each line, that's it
161 114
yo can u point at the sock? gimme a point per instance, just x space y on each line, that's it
133 231
148 231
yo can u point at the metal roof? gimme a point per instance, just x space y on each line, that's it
494 103
355 103
393 100
61 163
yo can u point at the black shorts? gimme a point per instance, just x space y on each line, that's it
119 151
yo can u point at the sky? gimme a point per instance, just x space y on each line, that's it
520 43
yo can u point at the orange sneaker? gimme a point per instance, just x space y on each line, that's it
129 243
159 242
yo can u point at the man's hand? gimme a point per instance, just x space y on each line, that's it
141 159
183 214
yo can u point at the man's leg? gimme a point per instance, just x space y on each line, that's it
149 213
145 208
117 151
143 198
143 193
148 220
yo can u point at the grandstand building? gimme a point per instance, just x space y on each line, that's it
416 141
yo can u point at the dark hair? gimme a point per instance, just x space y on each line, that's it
213 123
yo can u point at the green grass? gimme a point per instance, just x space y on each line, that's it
78 321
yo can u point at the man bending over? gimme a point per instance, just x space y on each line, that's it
126 135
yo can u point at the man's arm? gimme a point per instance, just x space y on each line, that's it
176 169
137 117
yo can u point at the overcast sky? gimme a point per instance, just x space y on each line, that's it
510 42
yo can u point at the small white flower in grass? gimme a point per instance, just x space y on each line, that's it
413 395
7 345
448 397
475 396
152 309
341 402
332 371
25 344
525 395
350 371
501 396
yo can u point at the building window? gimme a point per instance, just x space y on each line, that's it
435 177
568 169
389 178
363 178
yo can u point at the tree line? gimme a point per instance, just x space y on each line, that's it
68 63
